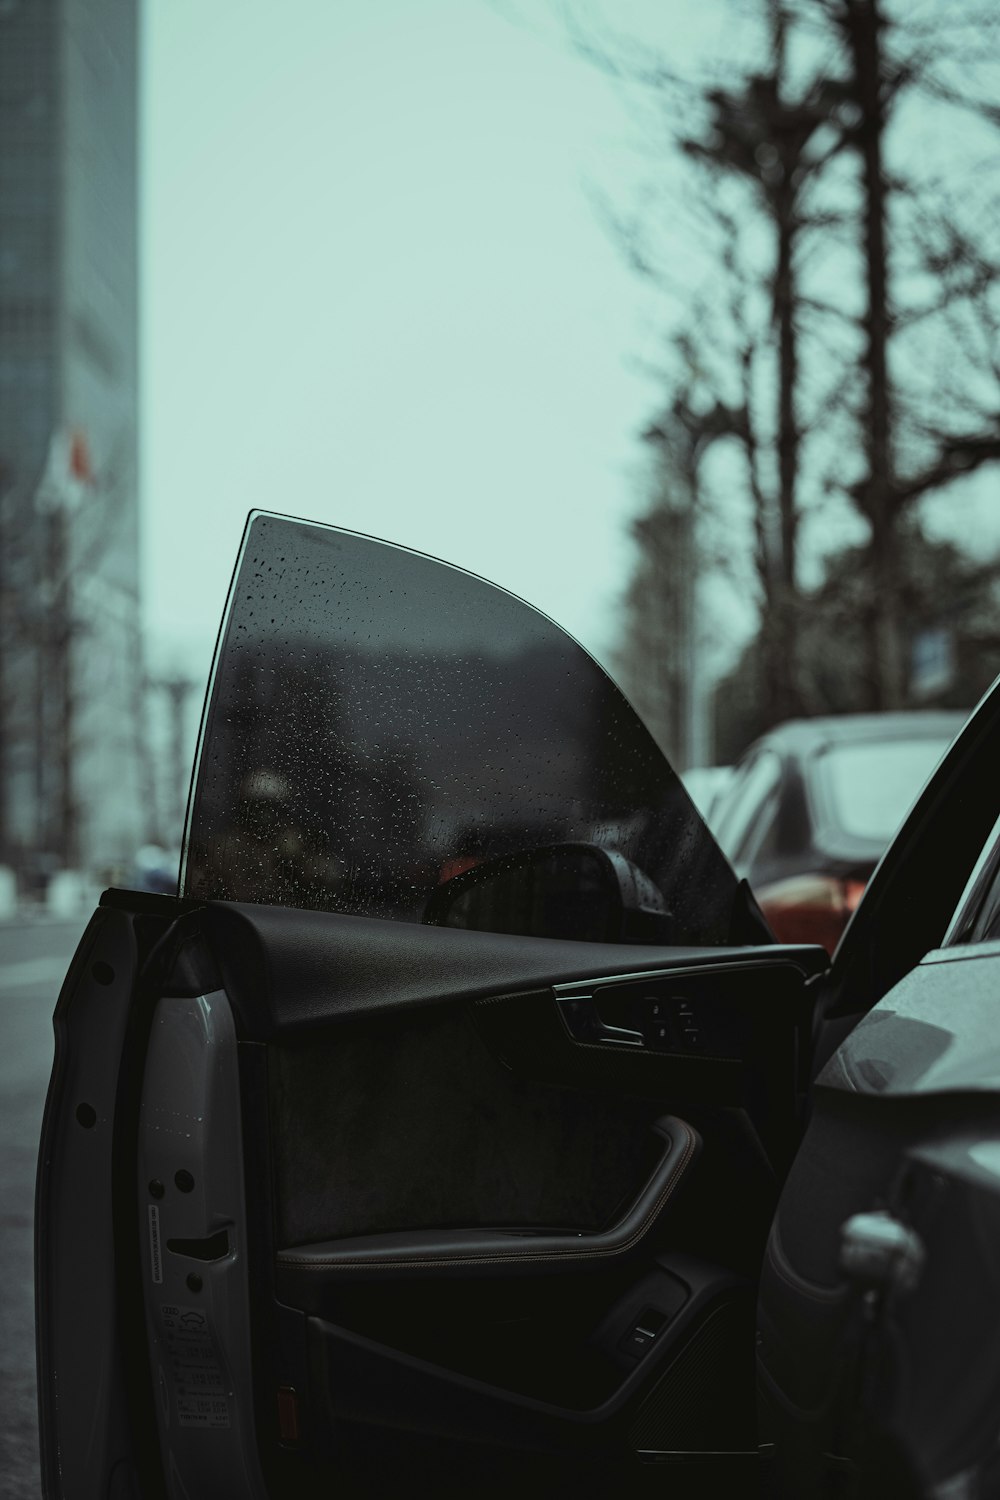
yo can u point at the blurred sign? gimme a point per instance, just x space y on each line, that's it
932 662
69 474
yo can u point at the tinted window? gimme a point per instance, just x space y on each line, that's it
379 722
868 788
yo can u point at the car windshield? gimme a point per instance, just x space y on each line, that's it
869 787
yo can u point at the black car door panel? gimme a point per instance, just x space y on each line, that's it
461 1190
453 1108
578 1301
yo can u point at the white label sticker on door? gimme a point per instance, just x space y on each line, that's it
155 1250
195 1368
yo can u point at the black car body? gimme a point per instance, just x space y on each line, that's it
813 805
461 1125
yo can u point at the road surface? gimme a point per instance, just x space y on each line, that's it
34 956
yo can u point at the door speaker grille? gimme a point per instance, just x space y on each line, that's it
705 1400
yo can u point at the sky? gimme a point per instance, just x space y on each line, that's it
376 293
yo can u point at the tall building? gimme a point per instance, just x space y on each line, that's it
70 652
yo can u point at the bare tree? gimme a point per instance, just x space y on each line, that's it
891 57
754 147
830 397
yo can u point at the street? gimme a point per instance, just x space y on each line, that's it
34 956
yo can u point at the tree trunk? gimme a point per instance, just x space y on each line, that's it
863 25
63 837
782 645
788 370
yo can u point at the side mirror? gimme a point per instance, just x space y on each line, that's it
577 891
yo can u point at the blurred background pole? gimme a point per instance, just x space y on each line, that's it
177 691
58 813
681 438
671 533
6 635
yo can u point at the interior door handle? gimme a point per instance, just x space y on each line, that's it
583 1022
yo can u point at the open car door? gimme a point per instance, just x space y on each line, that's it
428 1142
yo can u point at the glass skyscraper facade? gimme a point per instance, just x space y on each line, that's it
71 759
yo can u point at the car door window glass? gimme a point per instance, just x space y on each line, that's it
379 723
